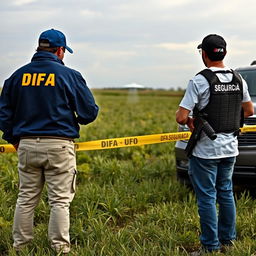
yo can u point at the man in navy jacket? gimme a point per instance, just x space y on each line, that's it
41 107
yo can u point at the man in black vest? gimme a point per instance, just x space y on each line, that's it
219 94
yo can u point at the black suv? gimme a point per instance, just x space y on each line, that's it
245 168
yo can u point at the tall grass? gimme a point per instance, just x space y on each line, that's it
128 201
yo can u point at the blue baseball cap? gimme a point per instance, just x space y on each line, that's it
53 38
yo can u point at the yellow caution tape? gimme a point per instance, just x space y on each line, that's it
128 141
248 128
132 141
119 142
7 148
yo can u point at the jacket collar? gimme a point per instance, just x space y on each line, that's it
42 55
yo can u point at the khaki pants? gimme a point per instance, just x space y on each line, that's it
50 161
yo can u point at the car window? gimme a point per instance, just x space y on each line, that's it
250 77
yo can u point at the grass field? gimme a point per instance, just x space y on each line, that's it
128 202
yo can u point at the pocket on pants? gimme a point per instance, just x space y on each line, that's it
22 155
73 185
58 158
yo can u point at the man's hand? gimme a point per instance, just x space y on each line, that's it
182 117
16 146
248 108
190 123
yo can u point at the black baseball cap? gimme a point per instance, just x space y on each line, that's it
214 45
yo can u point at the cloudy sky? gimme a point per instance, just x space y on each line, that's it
117 42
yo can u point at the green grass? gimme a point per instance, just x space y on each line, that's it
128 201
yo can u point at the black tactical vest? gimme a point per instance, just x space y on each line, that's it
224 107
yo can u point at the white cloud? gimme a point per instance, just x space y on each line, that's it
169 3
23 2
103 51
240 47
185 47
90 14
138 40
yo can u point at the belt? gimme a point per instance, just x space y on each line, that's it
47 137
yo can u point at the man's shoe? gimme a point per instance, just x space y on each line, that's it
201 252
197 253
226 245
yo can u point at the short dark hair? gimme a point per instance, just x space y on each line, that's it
46 49
216 56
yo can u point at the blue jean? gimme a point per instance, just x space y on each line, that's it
212 182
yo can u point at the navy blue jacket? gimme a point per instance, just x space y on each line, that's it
45 98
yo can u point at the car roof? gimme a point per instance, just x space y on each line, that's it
252 67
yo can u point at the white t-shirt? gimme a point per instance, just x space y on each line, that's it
198 93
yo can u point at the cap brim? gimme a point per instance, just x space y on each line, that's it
199 46
69 49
